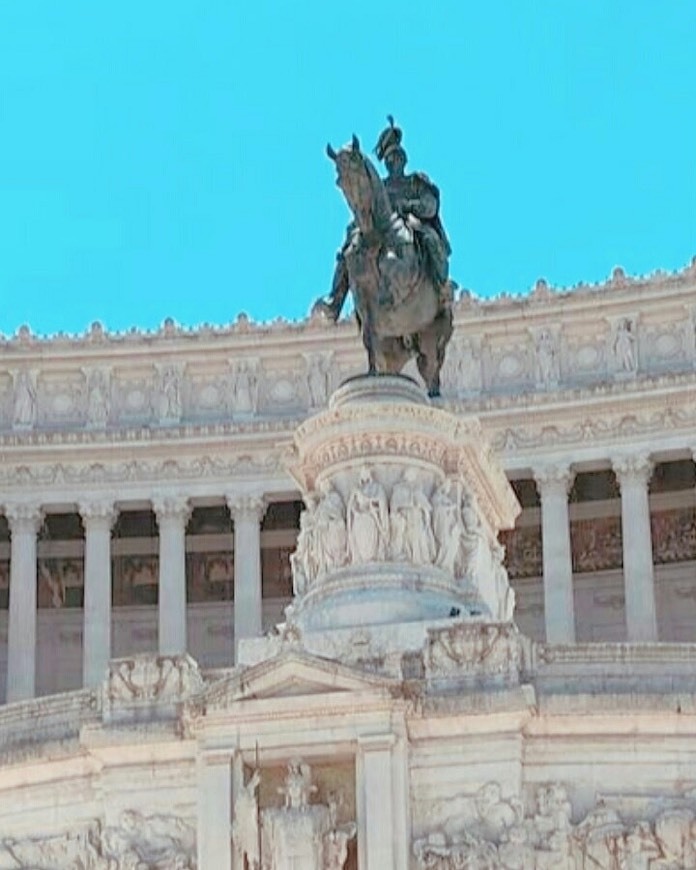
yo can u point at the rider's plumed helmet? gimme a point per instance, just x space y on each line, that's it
389 140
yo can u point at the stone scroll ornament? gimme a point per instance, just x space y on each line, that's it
491 832
300 834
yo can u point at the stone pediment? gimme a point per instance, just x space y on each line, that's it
293 674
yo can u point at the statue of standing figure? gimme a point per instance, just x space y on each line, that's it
368 520
245 827
331 533
410 516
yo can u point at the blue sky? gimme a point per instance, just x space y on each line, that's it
167 159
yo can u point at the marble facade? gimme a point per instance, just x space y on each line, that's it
141 562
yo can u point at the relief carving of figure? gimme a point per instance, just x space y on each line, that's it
245 826
152 842
170 404
318 380
368 520
97 400
447 525
466 367
546 358
53 579
410 521
640 848
303 561
676 833
516 852
625 346
472 534
495 813
24 409
244 388
331 532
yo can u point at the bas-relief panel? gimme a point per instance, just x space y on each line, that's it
209 577
674 535
540 829
138 841
596 544
135 580
523 551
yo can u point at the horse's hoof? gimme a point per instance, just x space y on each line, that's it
434 394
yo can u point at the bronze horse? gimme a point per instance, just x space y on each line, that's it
402 312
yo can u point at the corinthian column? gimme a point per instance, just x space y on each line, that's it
98 518
633 474
553 484
172 514
247 512
24 521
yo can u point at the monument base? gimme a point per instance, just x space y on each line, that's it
403 505
380 593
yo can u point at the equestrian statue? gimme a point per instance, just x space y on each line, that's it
394 261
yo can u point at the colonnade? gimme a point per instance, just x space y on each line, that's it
553 481
98 516
633 473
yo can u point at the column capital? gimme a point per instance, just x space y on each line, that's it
632 468
246 506
553 478
24 516
98 510
171 507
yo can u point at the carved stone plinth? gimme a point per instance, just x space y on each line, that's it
148 686
403 505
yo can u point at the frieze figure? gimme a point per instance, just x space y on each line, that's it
244 388
410 518
169 397
318 377
447 525
24 408
331 534
368 520
303 562
98 403
546 359
625 346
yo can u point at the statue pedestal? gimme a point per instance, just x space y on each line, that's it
403 505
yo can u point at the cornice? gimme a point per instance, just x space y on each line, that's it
619 288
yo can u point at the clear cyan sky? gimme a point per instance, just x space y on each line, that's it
166 159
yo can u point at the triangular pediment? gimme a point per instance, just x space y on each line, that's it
294 673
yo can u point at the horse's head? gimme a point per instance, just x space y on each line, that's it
361 186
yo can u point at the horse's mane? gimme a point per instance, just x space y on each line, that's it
381 207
